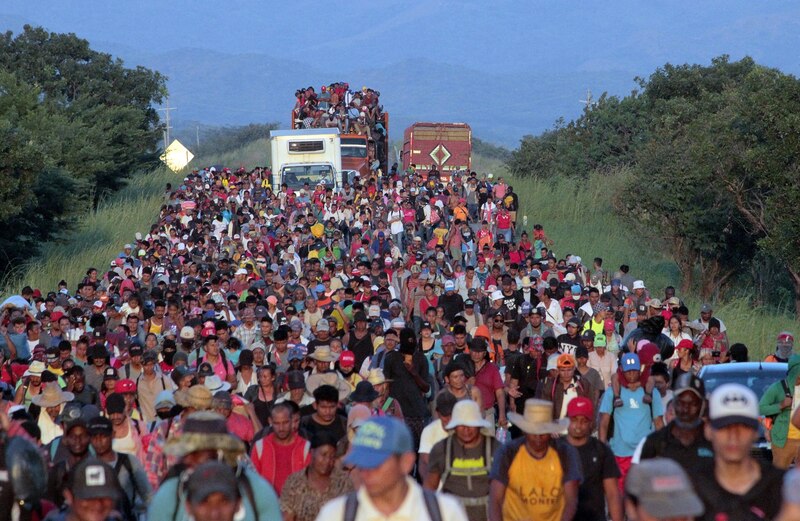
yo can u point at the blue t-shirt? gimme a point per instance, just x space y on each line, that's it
633 421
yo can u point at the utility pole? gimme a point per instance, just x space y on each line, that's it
587 101
197 135
167 126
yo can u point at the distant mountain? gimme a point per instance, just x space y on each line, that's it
219 89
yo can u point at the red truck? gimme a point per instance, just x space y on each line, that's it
448 146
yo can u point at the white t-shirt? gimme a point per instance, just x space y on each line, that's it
412 507
432 434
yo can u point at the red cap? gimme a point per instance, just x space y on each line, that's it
785 337
347 359
580 406
326 277
685 344
125 386
55 316
208 331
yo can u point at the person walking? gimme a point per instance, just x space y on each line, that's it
623 427
740 486
382 454
659 490
779 402
599 491
535 476
460 463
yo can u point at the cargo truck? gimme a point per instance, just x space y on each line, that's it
447 146
310 156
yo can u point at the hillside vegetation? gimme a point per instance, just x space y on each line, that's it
74 125
703 161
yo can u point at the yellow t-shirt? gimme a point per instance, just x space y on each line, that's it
535 488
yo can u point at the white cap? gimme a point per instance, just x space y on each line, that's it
733 404
638 284
552 362
497 294
241 271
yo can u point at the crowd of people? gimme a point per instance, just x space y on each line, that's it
395 349
338 106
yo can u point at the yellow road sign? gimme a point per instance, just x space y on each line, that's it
176 156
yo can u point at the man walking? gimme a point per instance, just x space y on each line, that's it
779 403
460 463
599 488
382 454
740 487
624 427
535 476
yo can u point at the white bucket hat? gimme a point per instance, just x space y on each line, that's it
214 383
638 284
467 413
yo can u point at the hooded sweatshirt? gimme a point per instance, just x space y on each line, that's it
770 404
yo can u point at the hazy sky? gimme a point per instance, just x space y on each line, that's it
625 38
490 36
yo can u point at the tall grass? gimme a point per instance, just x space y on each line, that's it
578 216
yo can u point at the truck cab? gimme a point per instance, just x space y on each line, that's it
310 156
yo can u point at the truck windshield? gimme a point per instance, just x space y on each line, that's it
354 151
296 176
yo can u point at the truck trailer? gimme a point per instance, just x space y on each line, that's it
446 146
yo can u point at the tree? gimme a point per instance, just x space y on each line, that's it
74 125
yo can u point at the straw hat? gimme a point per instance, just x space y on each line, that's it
36 368
537 418
323 354
467 413
331 378
376 377
203 430
51 396
197 396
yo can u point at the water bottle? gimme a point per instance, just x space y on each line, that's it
501 435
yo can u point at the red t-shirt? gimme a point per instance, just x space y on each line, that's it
488 381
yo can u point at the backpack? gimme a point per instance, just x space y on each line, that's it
123 460
431 505
448 466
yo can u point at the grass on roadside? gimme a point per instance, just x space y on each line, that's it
578 216
99 236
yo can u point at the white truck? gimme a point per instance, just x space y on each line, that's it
303 156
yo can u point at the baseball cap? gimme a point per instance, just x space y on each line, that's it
574 322
662 488
125 386
100 425
449 285
600 341
377 440
587 335
93 479
164 399
212 477
785 337
187 333
733 404
630 362
347 359
689 382
706 308
565 361
580 406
